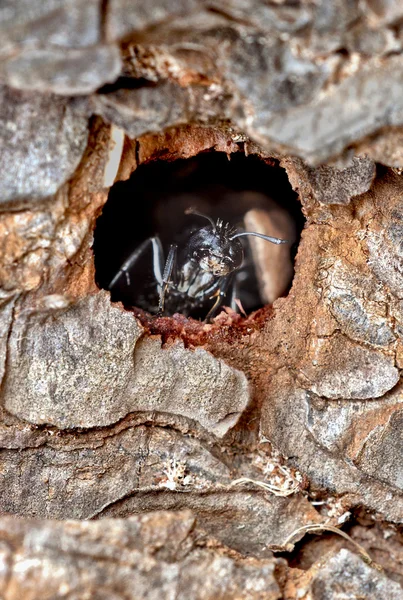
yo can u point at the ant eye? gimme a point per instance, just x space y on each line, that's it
233 251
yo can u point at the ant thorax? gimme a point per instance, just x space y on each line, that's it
194 280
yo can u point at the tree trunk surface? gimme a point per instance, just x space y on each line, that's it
163 457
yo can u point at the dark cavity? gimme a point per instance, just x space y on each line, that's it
153 202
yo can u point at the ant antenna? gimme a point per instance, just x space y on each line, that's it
273 240
193 211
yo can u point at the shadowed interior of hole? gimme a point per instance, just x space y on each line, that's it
153 202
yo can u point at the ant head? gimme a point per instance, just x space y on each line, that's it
215 252
217 247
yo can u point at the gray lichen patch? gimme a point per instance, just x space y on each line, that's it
80 367
147 556
344 426
345 575
77 483
342 369
65 71
43 139
326 125
386 252
268 77
65 367
126 17
331 185
381 455
189 383
358 304
66 23
7 303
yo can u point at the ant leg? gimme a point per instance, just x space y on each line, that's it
220 295
235 302
219 299
166 278
234 294
158 261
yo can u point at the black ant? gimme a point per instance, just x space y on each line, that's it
204 269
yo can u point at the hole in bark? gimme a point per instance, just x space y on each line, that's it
247 192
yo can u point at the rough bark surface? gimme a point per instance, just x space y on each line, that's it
153 556
104 417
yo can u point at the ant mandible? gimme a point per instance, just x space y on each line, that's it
204 269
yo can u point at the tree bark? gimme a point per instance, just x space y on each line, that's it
165 428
